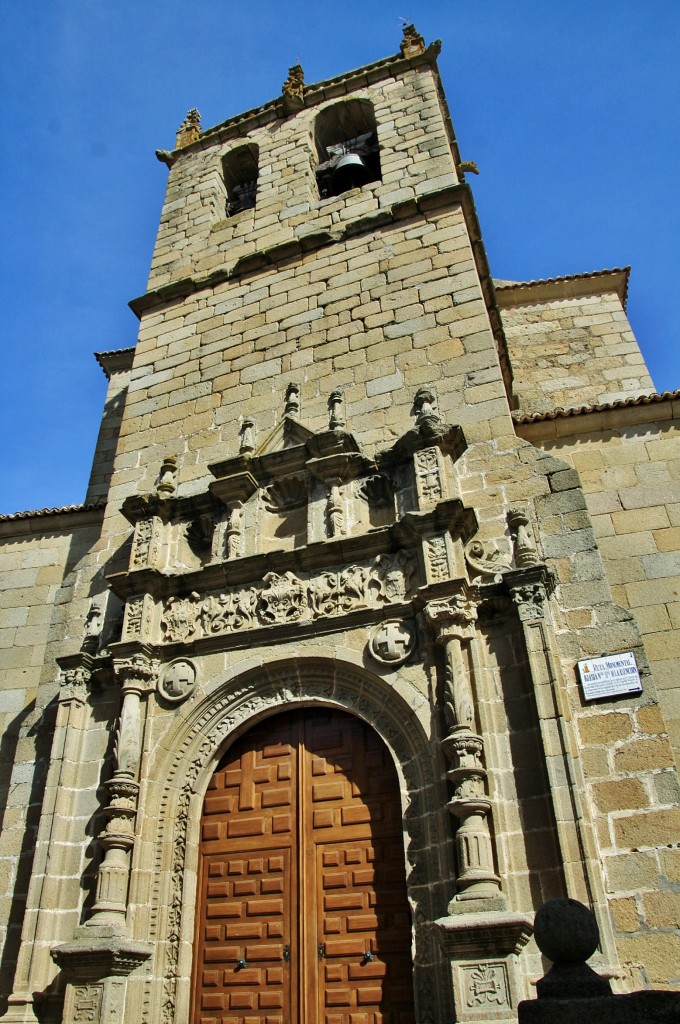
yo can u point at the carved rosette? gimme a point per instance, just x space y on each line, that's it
453 622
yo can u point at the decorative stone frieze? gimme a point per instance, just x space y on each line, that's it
285 598
138 619
146 544
429 477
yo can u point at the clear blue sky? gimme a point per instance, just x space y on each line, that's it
570 109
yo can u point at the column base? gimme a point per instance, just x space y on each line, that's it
481 940
96 967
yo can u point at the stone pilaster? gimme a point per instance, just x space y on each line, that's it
42 923
97 962
530 589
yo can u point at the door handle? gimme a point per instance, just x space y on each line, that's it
241 964
368 957
321 950
286 954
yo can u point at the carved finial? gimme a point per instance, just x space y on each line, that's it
524 548
247 436
189 130
93 627
293 89
413 43
292 406
167 478
336 418
424 405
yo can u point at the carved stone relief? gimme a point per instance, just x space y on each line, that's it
487 563
178 681
392 642
437 558
428 476
147 543
484 987
138 622
287 598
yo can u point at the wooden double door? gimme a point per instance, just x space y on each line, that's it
303 916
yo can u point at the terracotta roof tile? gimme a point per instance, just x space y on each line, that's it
581 410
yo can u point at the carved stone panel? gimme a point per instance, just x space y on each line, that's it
287 598
429 480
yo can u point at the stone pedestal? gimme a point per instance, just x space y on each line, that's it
482 948
96 967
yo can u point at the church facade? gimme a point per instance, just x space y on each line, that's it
364 642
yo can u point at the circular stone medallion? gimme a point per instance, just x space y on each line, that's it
392 642
178 681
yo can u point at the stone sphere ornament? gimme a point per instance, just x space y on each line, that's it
566 931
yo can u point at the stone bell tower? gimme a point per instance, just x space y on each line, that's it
329 681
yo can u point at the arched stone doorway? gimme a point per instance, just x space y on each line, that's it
302 908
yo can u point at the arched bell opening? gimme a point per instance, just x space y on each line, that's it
346 138
240 170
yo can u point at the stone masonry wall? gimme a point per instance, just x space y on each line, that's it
378 316
628 462
46 587
570 351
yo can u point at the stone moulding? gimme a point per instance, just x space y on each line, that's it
179 772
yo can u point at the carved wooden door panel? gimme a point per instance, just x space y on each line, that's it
302 879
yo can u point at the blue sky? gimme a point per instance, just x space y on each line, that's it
568 108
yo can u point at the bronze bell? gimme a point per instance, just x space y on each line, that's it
350 171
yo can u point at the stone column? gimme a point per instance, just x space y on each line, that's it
454 621
481 938
101 955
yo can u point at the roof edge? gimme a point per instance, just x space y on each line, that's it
34 520
520 293
558 413
116 361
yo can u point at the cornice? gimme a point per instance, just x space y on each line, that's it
524 293
116 361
